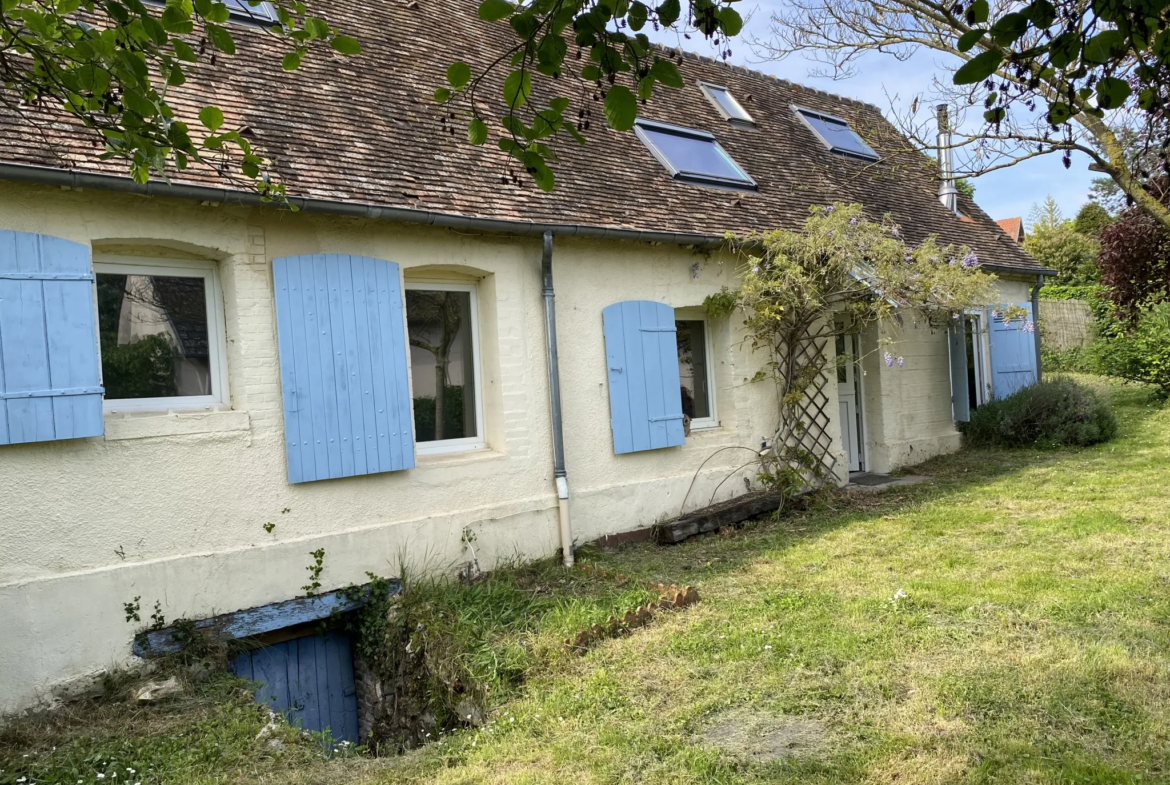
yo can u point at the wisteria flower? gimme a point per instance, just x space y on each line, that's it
756 270
1029 326
829 209
853 221
970 260
889 359
900 361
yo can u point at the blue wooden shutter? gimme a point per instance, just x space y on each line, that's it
957 350
50 382
1013 354
645 398
343 366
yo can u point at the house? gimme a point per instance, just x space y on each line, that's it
1013 228
373 376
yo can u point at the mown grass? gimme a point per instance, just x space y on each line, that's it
1009 622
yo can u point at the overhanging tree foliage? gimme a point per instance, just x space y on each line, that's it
1042 75
115 65
594 51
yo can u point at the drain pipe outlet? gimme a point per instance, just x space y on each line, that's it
554 397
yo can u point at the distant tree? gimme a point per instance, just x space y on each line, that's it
966 187
1092 219
1066 250
1045 215
1135 260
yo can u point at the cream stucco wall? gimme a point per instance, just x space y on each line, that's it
170 506
907 408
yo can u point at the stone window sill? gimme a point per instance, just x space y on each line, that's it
144 426
456 458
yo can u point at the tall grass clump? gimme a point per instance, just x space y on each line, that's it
1053 413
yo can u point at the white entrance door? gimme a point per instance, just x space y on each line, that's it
848 398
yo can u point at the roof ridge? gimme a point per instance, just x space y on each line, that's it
753 72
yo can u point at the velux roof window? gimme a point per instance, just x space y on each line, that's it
692 156
725 102
241 11
836 134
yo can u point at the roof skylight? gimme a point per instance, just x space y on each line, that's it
836 134
240 11
692 156
725 102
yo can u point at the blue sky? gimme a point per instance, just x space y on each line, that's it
1002 194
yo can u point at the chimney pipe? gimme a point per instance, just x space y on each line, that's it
947 193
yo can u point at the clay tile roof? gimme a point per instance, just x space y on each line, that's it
1013 228
365 129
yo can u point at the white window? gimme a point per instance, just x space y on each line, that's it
695 372
241 11
731 109
442 321
161 334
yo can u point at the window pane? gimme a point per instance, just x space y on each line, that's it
842 360
441 357
839 135
692 368
153 331
693 155
729 104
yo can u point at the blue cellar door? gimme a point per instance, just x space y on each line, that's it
309 680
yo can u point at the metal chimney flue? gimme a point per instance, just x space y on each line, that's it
947 193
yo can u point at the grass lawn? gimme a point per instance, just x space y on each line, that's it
1009 622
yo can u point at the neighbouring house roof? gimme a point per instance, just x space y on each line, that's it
366 130
1013 228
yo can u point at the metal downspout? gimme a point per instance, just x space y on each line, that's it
1036 324
554 397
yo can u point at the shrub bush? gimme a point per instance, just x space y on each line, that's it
1053 413
1142 353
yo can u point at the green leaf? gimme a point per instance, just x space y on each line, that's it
573 132
517 88
477 131
590 73
176 77
968 39
345 44
138 103
551 51
621 108
1112 92
541 174
211 117
317 27
1105 46
495 10
458 74
175 21
978 12
666 72
995 115
978 68
524 25
442 95
219 13
508 145
221 39
1008 28
1059 112
291 61
668 12
729 20
183 51
637 16
559 104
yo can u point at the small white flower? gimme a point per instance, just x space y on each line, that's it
511 719
101 776
767 647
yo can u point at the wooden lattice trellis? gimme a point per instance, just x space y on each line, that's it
802 447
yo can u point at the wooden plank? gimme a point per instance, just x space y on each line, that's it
270 667
339 361
305 691
399 407
365 419
708 519
613 330
348 684
650 341
352 425
256 621
293 400
636 375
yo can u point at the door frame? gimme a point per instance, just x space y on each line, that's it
982 346
846 328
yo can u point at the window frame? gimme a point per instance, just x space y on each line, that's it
216 331
745 120
682 175
712 418
802 111
463 443
263 15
